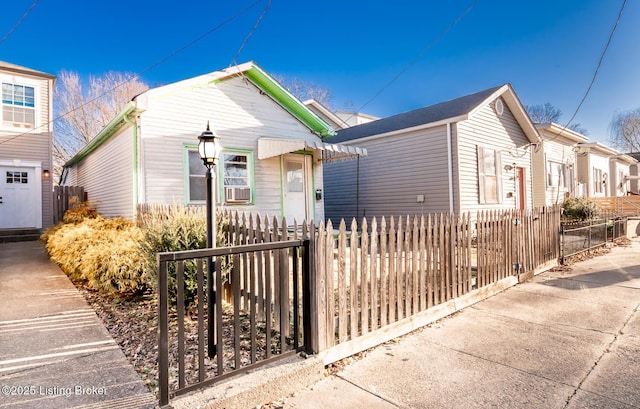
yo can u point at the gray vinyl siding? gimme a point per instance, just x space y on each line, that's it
397 169
556 149
39 150
491 131
33 145
107 175
239 114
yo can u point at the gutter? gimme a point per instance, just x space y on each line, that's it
112 127
288 101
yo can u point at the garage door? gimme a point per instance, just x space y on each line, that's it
19 199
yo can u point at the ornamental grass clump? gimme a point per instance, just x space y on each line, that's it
178 228
105 254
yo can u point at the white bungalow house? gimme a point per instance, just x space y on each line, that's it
554 164
621 166
467 154
26 133
594 169
272 159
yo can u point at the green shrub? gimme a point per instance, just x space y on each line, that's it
579 209
180 228
104 253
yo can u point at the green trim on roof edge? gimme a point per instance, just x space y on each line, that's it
288 101
112 127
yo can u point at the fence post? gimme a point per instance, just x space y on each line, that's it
163 342
309 299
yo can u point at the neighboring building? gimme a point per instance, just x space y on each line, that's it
467 154
594 168
272 161
634 174
554 165
26 143
340 119
621 166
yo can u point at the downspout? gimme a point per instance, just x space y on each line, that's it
134 125
450 164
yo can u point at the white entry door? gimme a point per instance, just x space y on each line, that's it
19 198
296 185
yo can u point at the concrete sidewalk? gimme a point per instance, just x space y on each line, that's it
565 339
54 351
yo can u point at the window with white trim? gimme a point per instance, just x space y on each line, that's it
556 174
598 181
489 180
18 105
236 176
197 177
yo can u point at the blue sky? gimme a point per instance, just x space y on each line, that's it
547 49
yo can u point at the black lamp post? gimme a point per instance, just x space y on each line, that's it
209 150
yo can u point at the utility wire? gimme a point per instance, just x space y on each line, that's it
416 58
255 27
24 16
149 68
595 74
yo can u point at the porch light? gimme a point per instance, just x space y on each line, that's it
209 147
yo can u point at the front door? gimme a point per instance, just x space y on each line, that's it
19 198
296 185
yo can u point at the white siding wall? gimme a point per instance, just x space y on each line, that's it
502 133
397 169
107 176
616 175
598 162
239 114
560 150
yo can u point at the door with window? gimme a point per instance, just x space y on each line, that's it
18 198
296 188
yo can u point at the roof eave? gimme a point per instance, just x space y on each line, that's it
283 97
109 130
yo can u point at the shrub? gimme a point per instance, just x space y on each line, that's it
179 228
580 208
104 253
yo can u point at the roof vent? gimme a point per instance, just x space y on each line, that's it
499 107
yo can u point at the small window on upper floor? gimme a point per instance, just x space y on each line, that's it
18 105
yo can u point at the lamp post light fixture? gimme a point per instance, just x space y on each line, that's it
209 149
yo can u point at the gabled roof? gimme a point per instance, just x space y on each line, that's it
6 66
558 130
249 70
454 110
325 112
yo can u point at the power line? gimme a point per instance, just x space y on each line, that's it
149 68
24 16
255 27
416 58
595 74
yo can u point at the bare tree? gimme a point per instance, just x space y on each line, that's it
81 115
545 113
625 130
304 90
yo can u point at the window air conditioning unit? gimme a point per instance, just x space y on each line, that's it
237 194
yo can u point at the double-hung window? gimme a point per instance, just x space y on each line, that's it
18 105
488 175
197 177
236 176
556 174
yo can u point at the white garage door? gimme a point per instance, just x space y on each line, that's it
19 199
